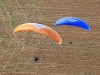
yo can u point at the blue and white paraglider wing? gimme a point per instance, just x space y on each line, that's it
73 21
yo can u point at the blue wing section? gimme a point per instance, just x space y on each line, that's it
73 21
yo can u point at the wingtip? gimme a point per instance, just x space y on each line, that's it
60 42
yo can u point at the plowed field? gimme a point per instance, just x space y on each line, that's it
17 52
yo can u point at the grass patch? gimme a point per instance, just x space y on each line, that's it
1 47
40 17
13 21
7 6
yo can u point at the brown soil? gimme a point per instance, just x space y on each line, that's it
17 52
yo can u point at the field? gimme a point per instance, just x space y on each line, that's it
17 52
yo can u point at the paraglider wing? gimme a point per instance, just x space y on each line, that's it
39 28
73 21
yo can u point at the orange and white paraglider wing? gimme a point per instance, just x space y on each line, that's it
39 28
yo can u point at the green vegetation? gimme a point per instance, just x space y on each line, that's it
13 21
40 17
7 5
1 47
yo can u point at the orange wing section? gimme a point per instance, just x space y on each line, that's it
52 34
46 31
25 27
